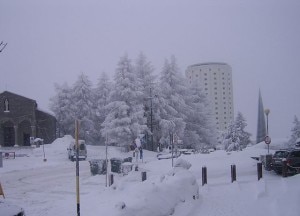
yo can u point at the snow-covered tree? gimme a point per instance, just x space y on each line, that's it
171 99
82 104
199 131
295 132
60 105
99 112
236 138
125 119
146 84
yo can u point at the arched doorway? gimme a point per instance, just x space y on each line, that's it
24 133
8 134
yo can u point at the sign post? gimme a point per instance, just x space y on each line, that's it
268 142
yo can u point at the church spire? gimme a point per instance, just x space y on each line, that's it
261 124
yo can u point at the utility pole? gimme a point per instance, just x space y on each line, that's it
2 46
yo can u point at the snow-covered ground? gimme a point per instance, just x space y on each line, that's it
49 188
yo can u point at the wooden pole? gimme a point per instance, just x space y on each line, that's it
77 166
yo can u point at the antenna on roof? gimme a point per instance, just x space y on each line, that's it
2 46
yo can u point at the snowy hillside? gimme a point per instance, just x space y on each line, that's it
48 188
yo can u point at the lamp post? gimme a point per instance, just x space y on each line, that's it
267 112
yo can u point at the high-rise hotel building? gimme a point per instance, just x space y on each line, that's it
215 79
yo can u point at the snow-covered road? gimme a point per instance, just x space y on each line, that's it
48 188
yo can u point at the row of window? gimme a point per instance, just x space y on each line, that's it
217 113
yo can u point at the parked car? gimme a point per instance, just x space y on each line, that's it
9 209
292 157
82 150
297 144
161 156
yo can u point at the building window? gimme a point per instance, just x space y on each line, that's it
216 98
196 75
205 74
216 93
209 69
205 79
6 105
217 113
205 83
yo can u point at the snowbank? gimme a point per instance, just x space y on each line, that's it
149 198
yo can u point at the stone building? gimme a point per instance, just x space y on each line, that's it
21 121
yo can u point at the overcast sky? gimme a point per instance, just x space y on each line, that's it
54 41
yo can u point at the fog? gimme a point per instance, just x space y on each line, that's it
54 41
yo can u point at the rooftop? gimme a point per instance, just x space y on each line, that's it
208 63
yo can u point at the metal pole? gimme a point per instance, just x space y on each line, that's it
77 166
268 130
171 141
106 161
151 120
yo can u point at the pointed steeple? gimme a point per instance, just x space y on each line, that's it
261 124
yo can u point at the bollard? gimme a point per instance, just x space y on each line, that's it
144 176
1 160
259 171
284 168
204 176
233 173
111 179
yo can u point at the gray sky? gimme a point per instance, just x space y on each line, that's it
54 41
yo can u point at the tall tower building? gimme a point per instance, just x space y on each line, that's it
261 123
215 79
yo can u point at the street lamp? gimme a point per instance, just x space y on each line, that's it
267 140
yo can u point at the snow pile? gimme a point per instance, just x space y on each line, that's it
149 198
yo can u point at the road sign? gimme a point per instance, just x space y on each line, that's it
267 140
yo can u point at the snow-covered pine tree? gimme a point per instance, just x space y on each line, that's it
82 104
236 138
146 84
101 99
60 105
171 99
295 132
125 119
199 131
240 124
